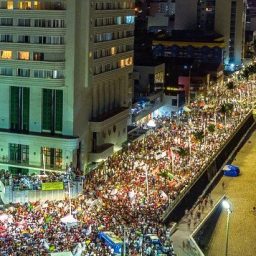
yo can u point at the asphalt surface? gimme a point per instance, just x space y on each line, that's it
242 193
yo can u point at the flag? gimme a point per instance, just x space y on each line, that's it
89 230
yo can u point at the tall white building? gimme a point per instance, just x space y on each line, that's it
65 82
230 21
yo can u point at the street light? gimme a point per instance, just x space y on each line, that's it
227 206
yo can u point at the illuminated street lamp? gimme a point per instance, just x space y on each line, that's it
227 206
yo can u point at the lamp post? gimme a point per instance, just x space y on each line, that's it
226 205
189 83
44 162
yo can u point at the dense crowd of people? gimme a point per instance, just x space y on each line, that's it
130 191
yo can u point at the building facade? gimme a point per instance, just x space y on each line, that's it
230 22
161 15
206 15
64 81
185 14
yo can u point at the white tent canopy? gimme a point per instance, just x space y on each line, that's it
61 254
69 219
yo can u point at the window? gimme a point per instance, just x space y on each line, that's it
113 50
6 55
10 5
174 102
53 74
52 157
24 22
128 61
129 19
25 5
36 5
19 114
52 110
23 55
6 38
6 21
122 63
23 39
23 72
38 56
6 4
6 71
118 20
19 153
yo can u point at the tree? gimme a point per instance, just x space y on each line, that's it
165 175
199 136
226 108
211 128
182 152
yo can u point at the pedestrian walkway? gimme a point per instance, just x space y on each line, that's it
241 192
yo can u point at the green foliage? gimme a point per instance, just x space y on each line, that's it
166 175
182 151
226 108
211 128
199 135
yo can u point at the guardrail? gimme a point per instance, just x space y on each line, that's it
204 168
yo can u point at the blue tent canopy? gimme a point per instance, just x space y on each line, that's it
231 170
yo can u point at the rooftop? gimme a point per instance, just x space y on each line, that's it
191 36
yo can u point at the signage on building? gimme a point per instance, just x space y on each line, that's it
52 186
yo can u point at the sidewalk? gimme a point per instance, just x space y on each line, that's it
190 221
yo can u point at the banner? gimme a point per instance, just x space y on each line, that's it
52 186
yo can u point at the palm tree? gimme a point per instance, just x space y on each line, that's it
182 151
166 175
199 136
211 128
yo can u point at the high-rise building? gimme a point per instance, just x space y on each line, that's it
185 14
65 78
206 14
161 15
230 22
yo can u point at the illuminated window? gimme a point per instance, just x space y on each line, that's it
10 5
159 77
7 55
129 19
51 157
25 5
23 55
113 50
36 5
128 61
122 63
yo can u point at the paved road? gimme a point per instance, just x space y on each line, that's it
242 192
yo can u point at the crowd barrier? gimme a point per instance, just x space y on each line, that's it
23 196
